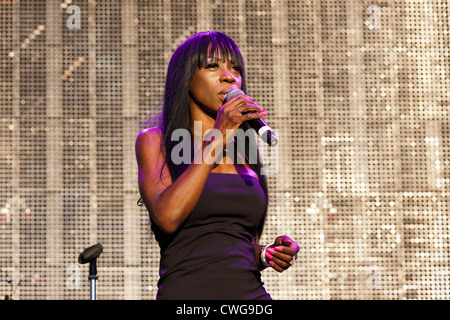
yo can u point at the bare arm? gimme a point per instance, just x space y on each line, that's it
169 203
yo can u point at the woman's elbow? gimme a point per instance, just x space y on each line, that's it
168 228
166 224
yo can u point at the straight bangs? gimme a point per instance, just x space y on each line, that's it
215 46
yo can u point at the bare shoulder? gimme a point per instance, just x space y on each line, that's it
153 134
148 146
149 138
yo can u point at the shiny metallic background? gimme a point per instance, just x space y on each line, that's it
358 94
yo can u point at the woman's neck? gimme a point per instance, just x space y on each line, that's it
199 119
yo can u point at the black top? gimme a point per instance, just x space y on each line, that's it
211 255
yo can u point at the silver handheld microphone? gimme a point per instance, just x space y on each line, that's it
261 127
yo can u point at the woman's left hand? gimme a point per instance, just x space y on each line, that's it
282 253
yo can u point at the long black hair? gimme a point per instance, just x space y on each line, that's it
193 53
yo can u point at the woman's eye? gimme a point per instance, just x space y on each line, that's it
211 65
237 68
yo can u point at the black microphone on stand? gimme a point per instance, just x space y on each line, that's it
261 127
90 255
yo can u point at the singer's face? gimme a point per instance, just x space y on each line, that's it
211 83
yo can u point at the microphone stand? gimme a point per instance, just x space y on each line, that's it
90 255
93 278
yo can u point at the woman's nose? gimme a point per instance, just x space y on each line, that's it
227 76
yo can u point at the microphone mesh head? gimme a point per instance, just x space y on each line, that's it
233 93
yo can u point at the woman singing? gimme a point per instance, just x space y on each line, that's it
207 215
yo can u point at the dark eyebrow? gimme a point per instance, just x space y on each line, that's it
215 57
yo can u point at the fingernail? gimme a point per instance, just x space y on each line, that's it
278 249
268 255
271 263
270 250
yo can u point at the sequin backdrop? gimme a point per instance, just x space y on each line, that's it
358 94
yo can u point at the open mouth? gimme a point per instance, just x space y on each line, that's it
223 96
